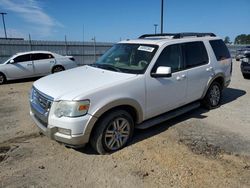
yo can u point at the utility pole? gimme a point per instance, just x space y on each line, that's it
162 5
155 28
83 44
4 23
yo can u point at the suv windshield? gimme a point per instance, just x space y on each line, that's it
127 58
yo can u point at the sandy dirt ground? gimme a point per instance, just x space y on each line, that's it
199 149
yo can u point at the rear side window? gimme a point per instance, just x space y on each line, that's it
220 49
22 58
41 56
170 57
195 54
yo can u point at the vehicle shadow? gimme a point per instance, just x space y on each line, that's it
22 80
229 95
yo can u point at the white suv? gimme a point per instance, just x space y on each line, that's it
136 84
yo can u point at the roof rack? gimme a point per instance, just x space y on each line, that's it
178 35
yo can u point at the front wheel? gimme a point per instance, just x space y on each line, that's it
2 79
112 132
213 96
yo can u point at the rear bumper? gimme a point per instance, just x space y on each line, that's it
245 68
227 83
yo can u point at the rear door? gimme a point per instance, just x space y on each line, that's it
199 69
43 63
22 67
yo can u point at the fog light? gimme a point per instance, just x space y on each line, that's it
64 131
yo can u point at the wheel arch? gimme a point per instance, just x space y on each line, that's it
130 105
220 78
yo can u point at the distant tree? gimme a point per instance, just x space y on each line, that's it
242 39
227 40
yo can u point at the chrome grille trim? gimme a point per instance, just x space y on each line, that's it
40 104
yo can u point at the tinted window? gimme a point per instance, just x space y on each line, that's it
220 49
22 58
40 56
195 54
170 57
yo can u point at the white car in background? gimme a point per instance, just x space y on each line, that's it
34 64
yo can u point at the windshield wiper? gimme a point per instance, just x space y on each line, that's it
107 67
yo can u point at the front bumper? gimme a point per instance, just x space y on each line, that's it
78 140
74 132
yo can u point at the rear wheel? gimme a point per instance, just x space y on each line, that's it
213 96
58 69
2 78
246 76
112 132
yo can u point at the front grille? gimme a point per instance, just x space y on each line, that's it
40 106
40 99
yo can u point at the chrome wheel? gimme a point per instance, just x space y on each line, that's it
215 95
57 69
117 134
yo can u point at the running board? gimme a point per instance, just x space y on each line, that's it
169 115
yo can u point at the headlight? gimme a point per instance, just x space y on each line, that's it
72 108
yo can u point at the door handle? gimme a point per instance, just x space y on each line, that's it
209 69
29 64
182 77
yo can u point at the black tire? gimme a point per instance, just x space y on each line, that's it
213 96
58 68
246 76
104 140
2 78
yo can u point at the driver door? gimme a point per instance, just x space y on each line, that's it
167 93
22 67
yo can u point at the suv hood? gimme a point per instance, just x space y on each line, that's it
69 84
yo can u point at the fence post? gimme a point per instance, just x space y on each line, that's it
66 46
30 42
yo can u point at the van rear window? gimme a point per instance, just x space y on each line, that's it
220 49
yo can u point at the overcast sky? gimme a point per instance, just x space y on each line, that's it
112 20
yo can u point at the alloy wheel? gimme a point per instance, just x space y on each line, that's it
117 134
215 95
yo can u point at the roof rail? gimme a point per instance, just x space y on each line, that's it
178 35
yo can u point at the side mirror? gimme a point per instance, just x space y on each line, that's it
12 61
162 72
